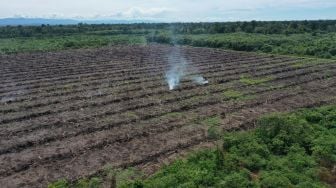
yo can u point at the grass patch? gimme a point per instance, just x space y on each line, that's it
131 115
328 75
119 177
233 94
311 61
55 43
248 80
212 121
68 86
94 182
174 115
213 124
236 95
123 177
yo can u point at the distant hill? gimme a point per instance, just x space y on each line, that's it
35 21
40 21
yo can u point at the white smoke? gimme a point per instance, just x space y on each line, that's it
200 80
6 99
175 74
179 69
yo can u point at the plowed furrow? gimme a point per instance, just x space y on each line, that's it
118 75
47 137
84 114
71 96
129 153
85 68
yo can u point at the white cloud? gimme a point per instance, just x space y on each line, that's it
141 13
173 10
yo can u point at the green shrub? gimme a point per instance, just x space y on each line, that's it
324 148
214 133
282 132
69 44
266 48
274 180
237 180
59 184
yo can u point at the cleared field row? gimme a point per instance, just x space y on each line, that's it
330 82
121 111
153 59
129 86
124 101
22 141
78 57
43 60
120 75
116 149
84 109
96 72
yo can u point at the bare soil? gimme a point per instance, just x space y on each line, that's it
68 114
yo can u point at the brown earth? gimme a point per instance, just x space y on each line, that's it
68 114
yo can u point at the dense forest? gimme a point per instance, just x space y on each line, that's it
262 27
302 38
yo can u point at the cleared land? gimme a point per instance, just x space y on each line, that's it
67 114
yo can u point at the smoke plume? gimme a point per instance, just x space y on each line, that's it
199 80
179 68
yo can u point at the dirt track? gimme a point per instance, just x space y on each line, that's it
67 114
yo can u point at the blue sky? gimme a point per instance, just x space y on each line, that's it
171 10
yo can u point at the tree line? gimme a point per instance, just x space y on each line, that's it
263 27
